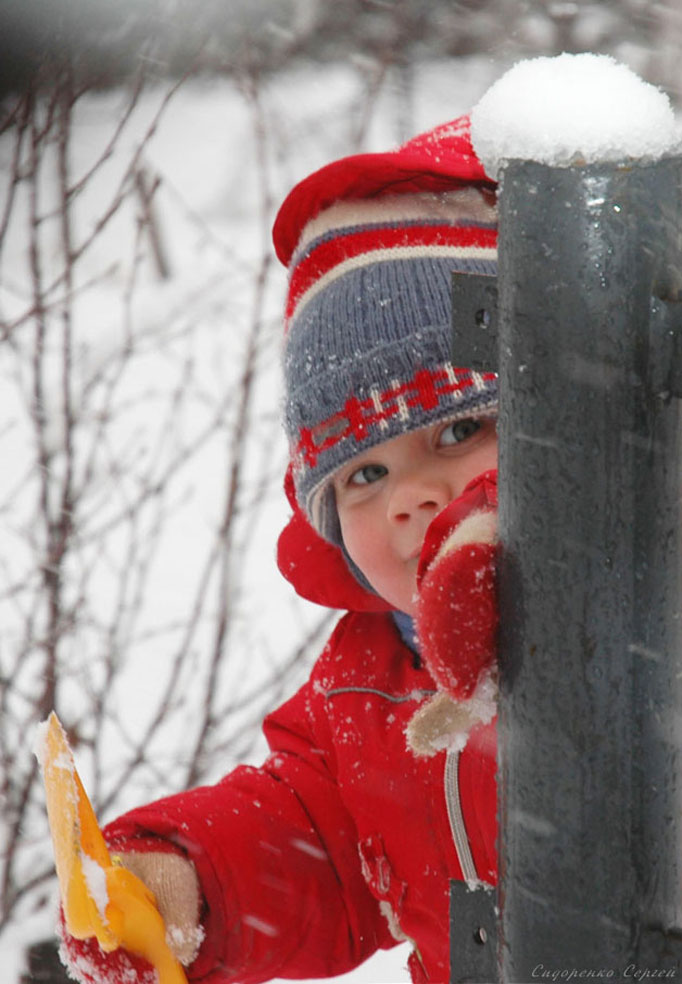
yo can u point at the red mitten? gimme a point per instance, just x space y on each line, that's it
456 615
173 880
87 962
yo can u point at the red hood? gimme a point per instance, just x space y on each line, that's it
316 568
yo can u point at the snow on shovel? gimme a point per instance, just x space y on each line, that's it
99 897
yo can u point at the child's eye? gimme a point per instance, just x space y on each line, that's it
367 474
458 431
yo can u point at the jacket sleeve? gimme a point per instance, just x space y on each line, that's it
277 858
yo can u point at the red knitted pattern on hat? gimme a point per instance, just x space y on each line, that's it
425 390
370 242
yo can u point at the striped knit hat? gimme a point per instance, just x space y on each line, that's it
371 242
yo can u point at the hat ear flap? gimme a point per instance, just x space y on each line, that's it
317 569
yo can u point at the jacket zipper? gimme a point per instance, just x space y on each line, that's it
456 818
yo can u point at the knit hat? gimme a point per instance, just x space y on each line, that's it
371 242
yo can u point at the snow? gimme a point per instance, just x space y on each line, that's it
40 742
481 708
572 109
181 939
385 967
62 761
96 880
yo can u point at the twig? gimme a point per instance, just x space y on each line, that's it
239 433
146 189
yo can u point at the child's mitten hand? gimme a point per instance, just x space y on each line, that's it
173 880
456 615
87 962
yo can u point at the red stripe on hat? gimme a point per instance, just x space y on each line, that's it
370 242
425 390
438 160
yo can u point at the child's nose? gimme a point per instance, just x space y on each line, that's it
418 495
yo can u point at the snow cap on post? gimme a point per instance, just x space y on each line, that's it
371 242
577 109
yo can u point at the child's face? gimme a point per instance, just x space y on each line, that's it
387 496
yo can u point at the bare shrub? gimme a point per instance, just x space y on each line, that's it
142 461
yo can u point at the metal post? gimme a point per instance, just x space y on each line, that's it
589 350
590 728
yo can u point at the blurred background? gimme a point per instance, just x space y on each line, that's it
106 41
144 148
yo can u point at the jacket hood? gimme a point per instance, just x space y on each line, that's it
318 569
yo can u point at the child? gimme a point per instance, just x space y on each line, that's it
380 785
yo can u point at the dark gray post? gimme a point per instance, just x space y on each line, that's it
590 357
590 732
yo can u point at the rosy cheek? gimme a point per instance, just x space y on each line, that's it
353 540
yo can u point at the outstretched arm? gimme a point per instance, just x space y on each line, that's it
275 851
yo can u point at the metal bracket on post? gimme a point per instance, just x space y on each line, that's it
474 321
473 934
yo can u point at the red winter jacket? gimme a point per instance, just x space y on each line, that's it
342 841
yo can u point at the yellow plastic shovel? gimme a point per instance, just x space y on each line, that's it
99 897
